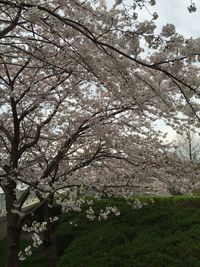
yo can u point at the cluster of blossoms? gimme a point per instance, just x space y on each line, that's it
142 3
90 214
168 30
54 219
36 227
71 204
21 256
36 240
103 214
137 204
72 200
192 8
28 250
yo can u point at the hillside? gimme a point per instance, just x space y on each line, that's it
163 233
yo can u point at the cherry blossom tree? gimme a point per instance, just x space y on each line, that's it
81 84
53 126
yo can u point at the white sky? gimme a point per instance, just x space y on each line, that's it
187 24
175 12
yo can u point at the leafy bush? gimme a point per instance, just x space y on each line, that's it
165 233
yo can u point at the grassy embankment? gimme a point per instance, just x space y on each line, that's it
165 233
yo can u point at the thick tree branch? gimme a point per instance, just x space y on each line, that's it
12 25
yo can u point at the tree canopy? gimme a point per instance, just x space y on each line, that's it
81 83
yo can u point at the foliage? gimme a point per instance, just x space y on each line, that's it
165 233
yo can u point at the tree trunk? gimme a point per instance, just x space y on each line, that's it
47 236
13 227
48 232
12 242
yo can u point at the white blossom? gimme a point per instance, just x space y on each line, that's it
168 30
103 214
90 214
21 256
137 204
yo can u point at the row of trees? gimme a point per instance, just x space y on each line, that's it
78 98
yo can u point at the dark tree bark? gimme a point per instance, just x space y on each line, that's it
48 232
13 243
13 226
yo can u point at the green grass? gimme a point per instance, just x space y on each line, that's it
165 233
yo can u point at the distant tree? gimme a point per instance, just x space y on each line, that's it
188 145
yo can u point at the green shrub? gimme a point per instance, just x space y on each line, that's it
161 234
165 233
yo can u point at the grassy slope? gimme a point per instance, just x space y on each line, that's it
166 233
163 234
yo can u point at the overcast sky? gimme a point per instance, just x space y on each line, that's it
188 24
175 12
